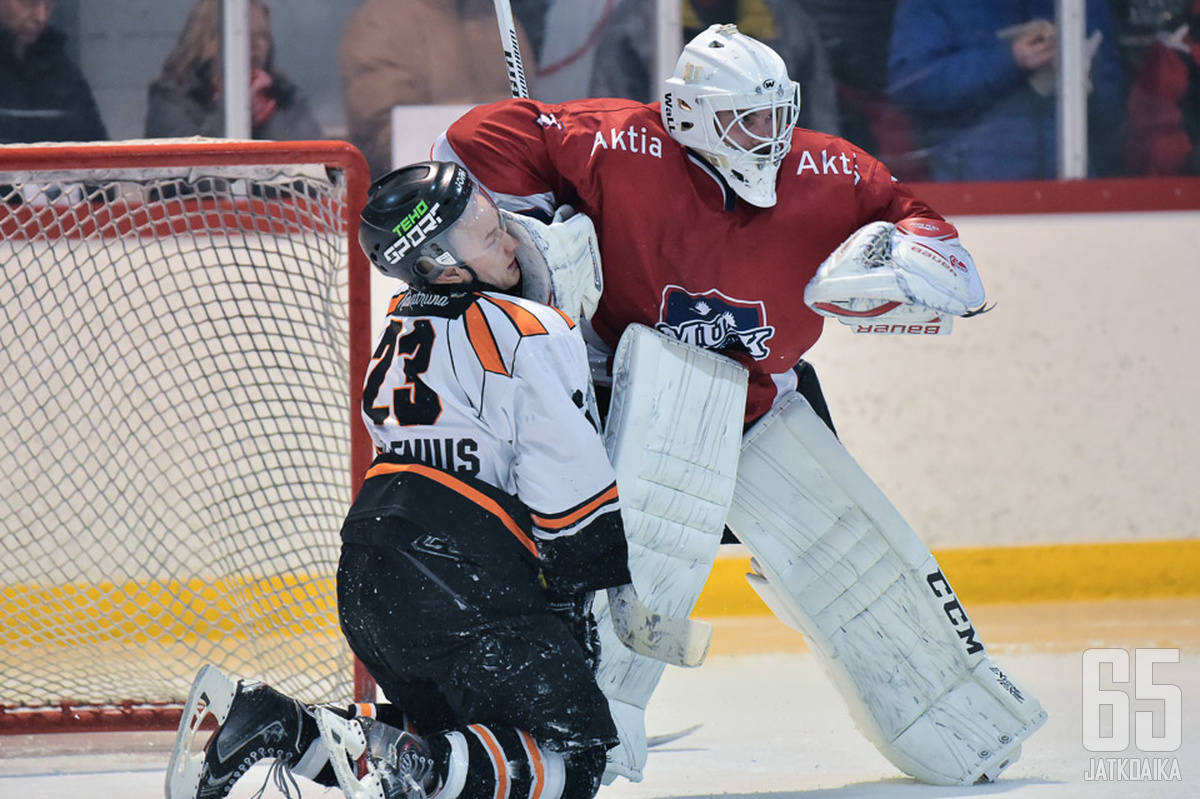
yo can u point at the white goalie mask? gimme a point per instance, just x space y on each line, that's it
731 100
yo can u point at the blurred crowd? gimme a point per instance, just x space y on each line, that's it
938 89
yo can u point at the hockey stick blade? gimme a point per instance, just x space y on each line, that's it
677 642
653 741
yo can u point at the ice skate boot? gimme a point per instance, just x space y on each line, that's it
255 722
373 760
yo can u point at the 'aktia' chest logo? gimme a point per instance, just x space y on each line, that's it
830 164
715 322
630 140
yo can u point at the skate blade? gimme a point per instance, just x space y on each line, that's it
212 693
346 743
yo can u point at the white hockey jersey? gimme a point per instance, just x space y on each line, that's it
493 387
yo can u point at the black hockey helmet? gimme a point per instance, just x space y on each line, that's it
409 215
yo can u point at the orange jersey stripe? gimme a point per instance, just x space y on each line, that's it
479 498
483 342
395 301
559 522
535 760
566 318
522 319
497 754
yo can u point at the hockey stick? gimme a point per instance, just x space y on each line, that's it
675 641
512 49
679 642
653 741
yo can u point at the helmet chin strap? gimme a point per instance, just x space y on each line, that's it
474 275
474 284
457 285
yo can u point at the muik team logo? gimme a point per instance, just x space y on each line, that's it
715 322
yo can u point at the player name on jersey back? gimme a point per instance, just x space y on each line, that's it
453 455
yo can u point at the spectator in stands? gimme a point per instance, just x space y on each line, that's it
186 98
43 94
978 79
1163 136
856 34
419 52
624 65
1139 23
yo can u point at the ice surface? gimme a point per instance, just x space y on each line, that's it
771 725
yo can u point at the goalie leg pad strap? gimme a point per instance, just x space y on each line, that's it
673 435
835 560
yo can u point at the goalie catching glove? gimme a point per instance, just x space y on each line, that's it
912 272
560 262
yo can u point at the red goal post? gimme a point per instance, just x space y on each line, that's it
182 319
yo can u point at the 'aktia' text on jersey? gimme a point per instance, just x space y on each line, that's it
681 253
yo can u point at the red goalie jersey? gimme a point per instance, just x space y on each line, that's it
681 252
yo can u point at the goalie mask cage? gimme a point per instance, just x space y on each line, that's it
181 322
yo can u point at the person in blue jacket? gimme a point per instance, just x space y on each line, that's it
978 80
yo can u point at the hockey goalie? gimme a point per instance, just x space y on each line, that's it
832 558
728 236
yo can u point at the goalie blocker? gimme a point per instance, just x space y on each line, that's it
834 559
560 261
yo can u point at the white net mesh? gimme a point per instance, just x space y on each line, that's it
174 431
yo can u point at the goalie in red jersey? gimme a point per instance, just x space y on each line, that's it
724 227
713 210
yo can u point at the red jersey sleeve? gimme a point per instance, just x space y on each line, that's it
510 147
883 198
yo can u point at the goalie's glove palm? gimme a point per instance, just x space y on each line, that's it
912 272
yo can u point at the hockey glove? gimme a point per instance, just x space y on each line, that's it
912 272
560 262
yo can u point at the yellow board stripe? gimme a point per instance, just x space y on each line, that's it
1041 573
169 611
187 611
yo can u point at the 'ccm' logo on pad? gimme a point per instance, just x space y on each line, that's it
954 611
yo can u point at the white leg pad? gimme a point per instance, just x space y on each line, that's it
834 559
673 435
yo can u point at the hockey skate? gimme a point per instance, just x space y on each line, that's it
391 763
255 722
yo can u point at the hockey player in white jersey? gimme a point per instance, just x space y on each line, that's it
485 522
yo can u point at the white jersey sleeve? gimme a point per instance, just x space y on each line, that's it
559 451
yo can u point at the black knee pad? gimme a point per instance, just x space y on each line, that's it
810 388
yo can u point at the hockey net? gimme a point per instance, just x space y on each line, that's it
184 333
